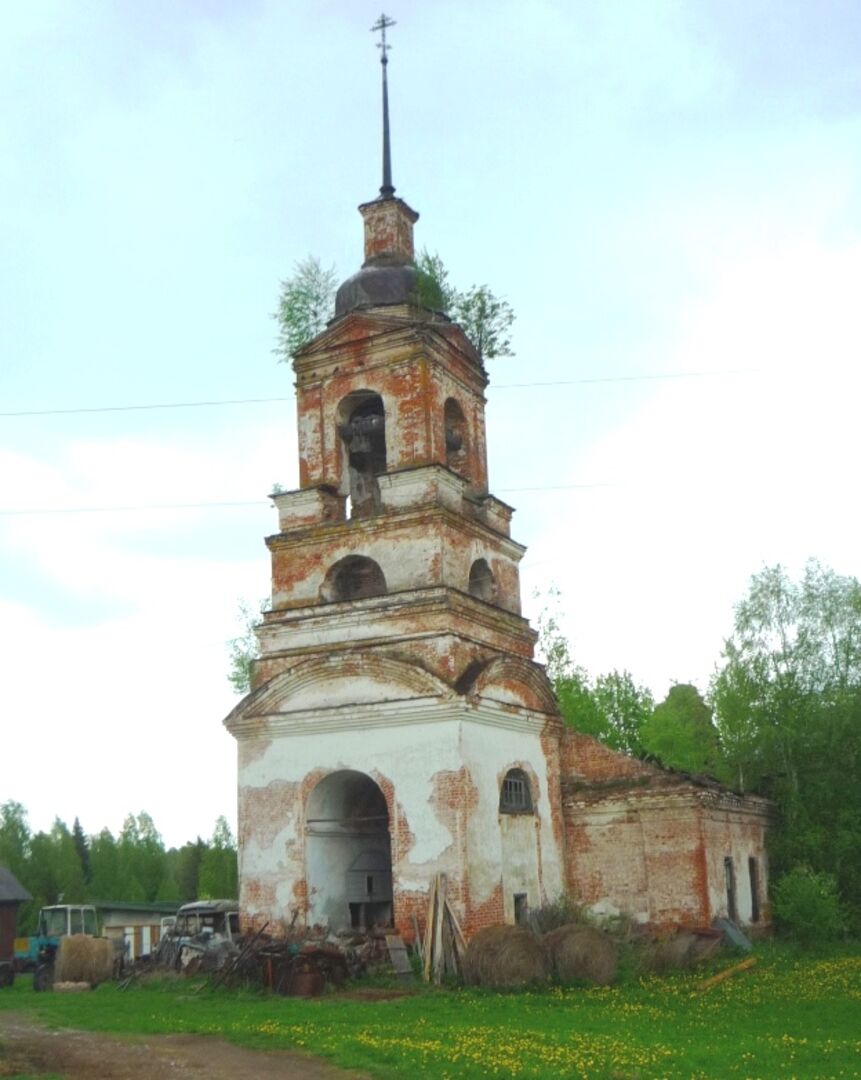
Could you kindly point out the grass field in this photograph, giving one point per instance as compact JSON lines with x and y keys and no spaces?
{"x":790,"y":1016}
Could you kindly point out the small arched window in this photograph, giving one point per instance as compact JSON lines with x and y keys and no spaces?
{"x":516,"y":794}
{"x":353,"y":578}
{"x":455,"y":436}
{"x":362,"y":427}
{"x":481,"y":581}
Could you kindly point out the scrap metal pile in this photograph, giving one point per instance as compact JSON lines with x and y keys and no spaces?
{"x":302,"y":963}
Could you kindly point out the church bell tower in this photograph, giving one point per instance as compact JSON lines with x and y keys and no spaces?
{"x":397,"y":726}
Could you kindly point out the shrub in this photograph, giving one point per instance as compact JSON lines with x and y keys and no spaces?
{"x":807,"y":907}
{"x":556,"y":913}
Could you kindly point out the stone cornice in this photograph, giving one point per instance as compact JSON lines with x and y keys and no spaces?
{"x":394,"y":520}
{"x":405,"y":714}
{"x":411,"y":603}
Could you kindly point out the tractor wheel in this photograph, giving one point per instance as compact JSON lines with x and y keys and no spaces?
{"x":43,"y":977}
{"x":7,"y":975}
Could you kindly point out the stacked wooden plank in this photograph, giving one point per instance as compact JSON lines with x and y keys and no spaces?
{"x":444,"y":945}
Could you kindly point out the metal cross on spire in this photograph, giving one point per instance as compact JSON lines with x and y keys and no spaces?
{"x":382,"y":24}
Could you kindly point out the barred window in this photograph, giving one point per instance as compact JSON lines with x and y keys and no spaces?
{"x":516,"y":796}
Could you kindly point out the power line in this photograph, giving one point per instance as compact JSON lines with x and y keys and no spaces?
{"x":268,"y":400}
{"x":140,"y":408}
{"x":628,"y":378}
{"x":126,"y":509}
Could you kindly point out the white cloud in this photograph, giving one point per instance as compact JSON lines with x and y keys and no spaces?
{"x":128,"y":705}
{"x":718,"y":476}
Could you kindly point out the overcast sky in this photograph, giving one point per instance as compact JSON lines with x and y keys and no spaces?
{"x":666,"y":192}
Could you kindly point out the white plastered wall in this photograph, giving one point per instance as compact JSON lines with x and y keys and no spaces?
{"x":519,"y":852}
{"x":407,"y":756}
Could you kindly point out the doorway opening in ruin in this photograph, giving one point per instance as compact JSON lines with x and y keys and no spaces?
{"x":731,"y":903}
{"x":362,"y":426}
{"x":348,"y":853}
{"x":753,"y":874}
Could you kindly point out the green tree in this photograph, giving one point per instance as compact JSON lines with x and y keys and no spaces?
{"x":244,"y":649}
{"x":807,"y":906}
{"x":307,"y":297}
{"x":54,"y":874}
{"x":106,"y":879}
{"x":71,"y":879}
{"x":680,"y":732}
{"x":82,"y":847}
{"x":14,"y":838}
{"x":219,"y":876}
{"x":787,"y":704}
{"x":485,"y":318}
{"x":305,"y":305}
{"x":433,"y":287}
{"x":612,"y":708}
{"x":623,"y":707}
{"x":185,"y":863}
{"x":142,"y":859}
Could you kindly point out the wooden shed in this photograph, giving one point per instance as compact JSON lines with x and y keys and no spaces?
{"x":139,"y":925}
{"x":12,"y":893}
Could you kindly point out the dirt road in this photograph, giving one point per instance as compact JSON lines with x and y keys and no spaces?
{"x":27,"y":1047}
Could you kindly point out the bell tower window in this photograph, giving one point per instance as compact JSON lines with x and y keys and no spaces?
{"x":363,"y":431}
{"x":481,"y":581}
{"x":455,"y":436}
{"x":354,"y":578}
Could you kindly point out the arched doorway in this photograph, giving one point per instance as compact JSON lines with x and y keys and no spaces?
{"x":348,"y":853}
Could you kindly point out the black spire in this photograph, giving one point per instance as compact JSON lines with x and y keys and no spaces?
{"x":382,"y":24}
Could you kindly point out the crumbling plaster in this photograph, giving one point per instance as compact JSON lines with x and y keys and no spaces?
{"x":415,"y":764}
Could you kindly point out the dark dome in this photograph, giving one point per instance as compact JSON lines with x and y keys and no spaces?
{"x":375,"y":286}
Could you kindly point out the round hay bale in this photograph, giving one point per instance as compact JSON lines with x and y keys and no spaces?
{"x":84,"y":959}
{"x":505,"y":958}
{"x":582,"y":952}
{"x":678,"y":952}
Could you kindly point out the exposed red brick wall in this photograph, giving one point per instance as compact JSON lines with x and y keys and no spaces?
{"x":388,"y":230}
{"x":491,"y":912}
{"x":583,"y":757}
{"x":263,"y":811}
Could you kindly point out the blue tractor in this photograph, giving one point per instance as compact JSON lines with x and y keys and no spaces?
{"x":38,"y":953}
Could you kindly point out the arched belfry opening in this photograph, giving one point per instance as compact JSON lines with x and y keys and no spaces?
{"x":348,"y":853}
{"x":355,"y":577}
{"x":482,"y":583}
{"x":362,"y":427}
{"x":455,"y":436}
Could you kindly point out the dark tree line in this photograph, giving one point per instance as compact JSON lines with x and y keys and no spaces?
{"x":781,"y":718}
{"x":66,"y":865}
